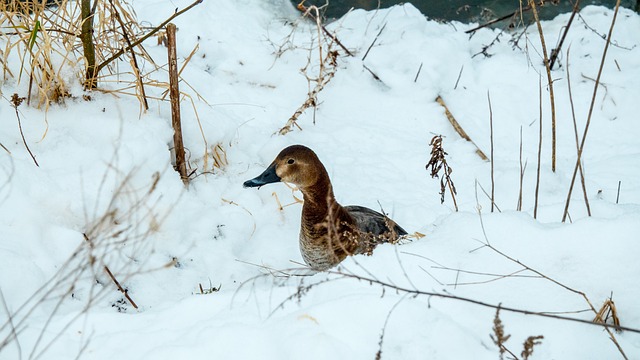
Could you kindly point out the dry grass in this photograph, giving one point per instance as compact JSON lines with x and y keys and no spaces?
{"x":608,"y":314}
{"x":533,"y":5}
{"x":41,"y":42}
{"x":46,"y":43}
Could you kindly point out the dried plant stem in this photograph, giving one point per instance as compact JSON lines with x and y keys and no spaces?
{"x":415,"y":79}
{"x":535,"y":206}
{"x":174,"y":95}
{"x":532,"y":3}
{"x":593,"y":101}
{"x":606,"y":312}
{"x":16,"y":101}
{"x":556,"y":51}
{"x":374,"y":41}
{"x":134,"y":60}
{"x":493,"y":183}
{"x":91,"y":82}
{"x":437,"y":162}
{"x":123,"y":291}
{"x":458,"y":128}
{"x":575,"y":130}
{"x":522,"y":170}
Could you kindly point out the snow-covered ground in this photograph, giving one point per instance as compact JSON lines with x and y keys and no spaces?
{"x":105,"y":171}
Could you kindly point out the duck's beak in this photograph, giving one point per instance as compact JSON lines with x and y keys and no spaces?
{"x":267,"y":177}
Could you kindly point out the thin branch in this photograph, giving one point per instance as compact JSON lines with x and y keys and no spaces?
{"x":550,"y":82}
{"x":133,"y":56}
{"x":418,"y":73}
{"x":505,"y":17}
{"x":522,"y":170}
{"x":16,"y":101}
{"x":374,"y":41}
{"x":145,"y":37}
{"x":493,"y":183}
{"x":575,"y":130}
{"x":556,"y":51}
{"x":593,"y":101}
{"x":475,"y":302}
{"x":535,"y":206}
{"x":5,"y":149}
{"x":125,"y":292}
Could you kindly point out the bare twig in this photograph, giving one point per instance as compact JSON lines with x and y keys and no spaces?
{"x":532,"y":3}
{"x":593,"y":101}
{"x":16,"y":101}
{"x":305,"y":11}
{"x":459,"y":76}
{"x":522,"y":170}
{"x":556,"y":51}
{"x":493,"y":184}
{"x":133,"y":56}
{"x":374,"y":41}
{"x":418,"y":73}
{"x":123,"y":291}
{"x":487,"y":195}
{"x":575,"y":131}
{"x":390,"y":285}
{"x":514,"y":14}
{"x":535,"y":206}
{"x":145,"y":37}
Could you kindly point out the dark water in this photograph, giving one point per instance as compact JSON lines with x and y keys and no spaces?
{"x":463,"y":10}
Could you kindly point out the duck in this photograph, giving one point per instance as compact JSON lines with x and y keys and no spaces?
{"x":329,"y":232}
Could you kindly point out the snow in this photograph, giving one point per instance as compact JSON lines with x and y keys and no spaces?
{"x":105,"y":159}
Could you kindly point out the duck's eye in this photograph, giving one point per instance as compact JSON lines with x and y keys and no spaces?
{"x":290,"y":161}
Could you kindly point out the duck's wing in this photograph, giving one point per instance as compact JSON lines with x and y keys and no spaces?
{"x":373,"y":222}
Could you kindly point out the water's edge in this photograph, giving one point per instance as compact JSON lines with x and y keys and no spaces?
{"x":461,"y":10}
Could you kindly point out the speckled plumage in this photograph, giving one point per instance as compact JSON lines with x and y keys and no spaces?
{"x":329,"y":232}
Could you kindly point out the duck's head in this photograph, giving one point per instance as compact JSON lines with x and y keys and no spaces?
{"x":295,"y":164}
